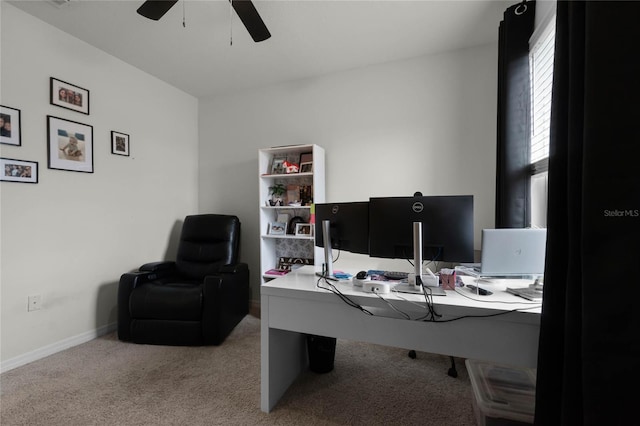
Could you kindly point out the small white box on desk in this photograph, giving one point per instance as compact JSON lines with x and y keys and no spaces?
{"x":379,"y":287}
{"x":427,"y":280}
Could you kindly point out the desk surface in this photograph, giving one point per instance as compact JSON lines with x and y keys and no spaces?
{"x":303,"y":282}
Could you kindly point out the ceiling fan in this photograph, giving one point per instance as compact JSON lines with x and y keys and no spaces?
{"x":155,"y":9}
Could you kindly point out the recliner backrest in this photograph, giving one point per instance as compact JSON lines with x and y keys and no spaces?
{"x":207,"y":242}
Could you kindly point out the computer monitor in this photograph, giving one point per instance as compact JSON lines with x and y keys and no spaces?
{"x":349,"y":226}
{"x":447,"y":227}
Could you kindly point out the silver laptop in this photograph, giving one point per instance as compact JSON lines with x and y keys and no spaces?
{"x":513,"y":251}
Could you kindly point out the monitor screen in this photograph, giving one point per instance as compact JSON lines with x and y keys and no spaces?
{"x":447,"y":227}
{"x":349,"y":225}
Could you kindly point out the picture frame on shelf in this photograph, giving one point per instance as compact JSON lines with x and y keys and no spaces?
{"x":306,"y":167}
{"x":18,"y":170}
{"x":289,"y":263}
{"x":306,"y":157}
{"x":304,"y":230}
{"x":70,"y":145}
{"x":10,"y":127}
{"x":277,"y":165}
{"x":306,"y":195}
{"x":277,"y":228}
{"x":119,"y":143}
{"x":69,"y":96}
{"x":293,"y":194}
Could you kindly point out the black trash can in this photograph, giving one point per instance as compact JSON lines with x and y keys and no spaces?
{"x":322,"y":352}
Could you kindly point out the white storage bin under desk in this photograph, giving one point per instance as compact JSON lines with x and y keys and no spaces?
{"x":502,"y":395}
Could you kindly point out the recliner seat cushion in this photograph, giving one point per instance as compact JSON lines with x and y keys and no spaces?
{"x":175,"y":301}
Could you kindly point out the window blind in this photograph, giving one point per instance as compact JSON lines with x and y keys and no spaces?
{"x":541,"y":68}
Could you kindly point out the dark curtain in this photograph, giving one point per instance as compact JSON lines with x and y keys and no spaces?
{"x":513,"y":134}
{"x":589,"y":352}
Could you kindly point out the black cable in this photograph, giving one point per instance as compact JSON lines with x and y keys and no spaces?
{"x":342,"y":296}
{"x":485,"y":316}
{"x":404,"y":314}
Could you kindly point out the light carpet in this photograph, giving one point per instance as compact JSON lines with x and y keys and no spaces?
{"x":108,"y":382}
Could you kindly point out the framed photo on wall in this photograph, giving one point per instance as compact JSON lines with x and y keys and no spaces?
{"x":70,"y":96}
{"x":70,"y":145}
{"x":18,"y":170}
{"x":10,"y":132}
{"x":119,"y":143}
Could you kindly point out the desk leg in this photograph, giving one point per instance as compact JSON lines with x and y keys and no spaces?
{"x":283,"y":358}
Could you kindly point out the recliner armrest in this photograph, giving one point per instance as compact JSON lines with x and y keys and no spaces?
{"x":233,"y":269}
{"x":161,"y":266}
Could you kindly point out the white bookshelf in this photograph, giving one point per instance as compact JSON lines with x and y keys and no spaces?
{"x":273,"y":247}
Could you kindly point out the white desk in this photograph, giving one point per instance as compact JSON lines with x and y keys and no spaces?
{"x":292,"y":306}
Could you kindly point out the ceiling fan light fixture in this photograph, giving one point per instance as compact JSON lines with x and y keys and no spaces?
{"x":246,"y":11}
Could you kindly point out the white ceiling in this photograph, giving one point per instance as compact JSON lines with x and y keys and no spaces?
{"x":309,"y":37}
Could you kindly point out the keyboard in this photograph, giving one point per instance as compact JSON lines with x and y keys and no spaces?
{"x":395,"y":275}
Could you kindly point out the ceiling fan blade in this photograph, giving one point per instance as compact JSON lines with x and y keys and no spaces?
{"x":251,"y":19}
{"x":155,"y":9}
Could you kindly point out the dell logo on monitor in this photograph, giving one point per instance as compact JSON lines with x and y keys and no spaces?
{"x":335,"y":209}
{"x":417,"y":207}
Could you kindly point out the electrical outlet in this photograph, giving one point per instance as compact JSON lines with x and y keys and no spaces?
{"x":35,"y":303}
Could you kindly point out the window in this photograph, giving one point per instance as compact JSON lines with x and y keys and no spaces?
{"x":541,"y":52}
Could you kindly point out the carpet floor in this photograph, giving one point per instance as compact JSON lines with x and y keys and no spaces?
{"x":108,"y":382}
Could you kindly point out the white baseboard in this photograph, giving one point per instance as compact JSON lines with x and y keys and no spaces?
{"x":56,"y":347}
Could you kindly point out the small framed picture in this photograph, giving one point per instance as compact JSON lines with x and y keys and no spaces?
{"x":306,"y":157}
{"x":19,"y":170}
{"x":10,"y":133}
{"x":277,"y":165}
{"x":306,"y":167}
{"x":304,"y":230}
{"x":119,"y":143}
{"x":277,"y":228}
{"x":70,"y":145}
{"x":290,"y":263}
{"x":70,"y":96}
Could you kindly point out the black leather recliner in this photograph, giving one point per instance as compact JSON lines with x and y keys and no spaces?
{"x":196,"y":300}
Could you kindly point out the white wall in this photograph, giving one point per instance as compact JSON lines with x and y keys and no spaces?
{"x":70,"y":237}
{"x":425,"y":124}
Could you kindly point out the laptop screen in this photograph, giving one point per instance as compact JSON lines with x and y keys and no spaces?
{"x":513,"y":251}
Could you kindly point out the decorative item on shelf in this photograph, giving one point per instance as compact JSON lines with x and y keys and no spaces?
{"x":291,"y":263}
{"x":293,"y":195}
{"x":290,"y":167}
{"x":304,"y":230}
{"x":306,"y":162}
{"x":277,"y":272}
{"x":306,"y":195}
{"x":291,"y":229}
{"x":277,"y":228}
{"x":277,"y":191}
{"x":306,"y":167}
{"x":277,"y":165}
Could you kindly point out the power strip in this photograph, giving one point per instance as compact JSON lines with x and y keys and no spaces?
{"x":378,"y":287}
